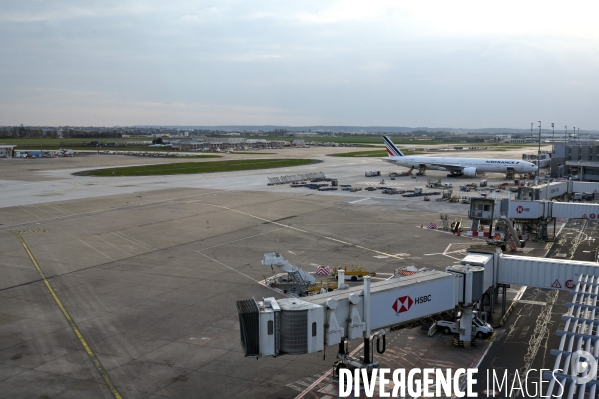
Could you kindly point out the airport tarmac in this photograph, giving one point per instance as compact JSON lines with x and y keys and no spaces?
{"x":129,"y":285}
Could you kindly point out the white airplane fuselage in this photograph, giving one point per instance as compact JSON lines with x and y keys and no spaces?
{"x":468,"y":167}
{"x":481,"y":164}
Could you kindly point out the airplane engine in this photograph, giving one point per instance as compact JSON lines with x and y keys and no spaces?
{"x":469,"y":172}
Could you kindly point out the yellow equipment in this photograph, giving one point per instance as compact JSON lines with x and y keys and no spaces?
{"x":354,"y":272}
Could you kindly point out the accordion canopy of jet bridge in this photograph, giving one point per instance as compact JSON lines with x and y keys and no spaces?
{"x":575,"y":371}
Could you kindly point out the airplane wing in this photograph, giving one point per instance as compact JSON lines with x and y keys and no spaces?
{"x":449,"y":166}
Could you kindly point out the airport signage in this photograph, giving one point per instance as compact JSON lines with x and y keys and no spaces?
{"x":524,"y":210}
{"x":415,"y":300}
{"x":404,"y":303}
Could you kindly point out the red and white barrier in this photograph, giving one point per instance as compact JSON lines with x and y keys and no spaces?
{"x":477,"y":233}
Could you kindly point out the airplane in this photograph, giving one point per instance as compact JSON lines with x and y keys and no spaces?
{"x":467,"y":167}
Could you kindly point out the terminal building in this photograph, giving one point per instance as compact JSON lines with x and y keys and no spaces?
{"x":577,"y":158}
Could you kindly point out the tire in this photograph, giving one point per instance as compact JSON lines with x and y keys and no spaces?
{"x":339,"y":367}
{"x":354,"y":278}
{"x":446,"y":331}
{"x":479,"y":335}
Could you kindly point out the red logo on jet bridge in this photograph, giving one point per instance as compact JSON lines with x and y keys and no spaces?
{"x":519,"y":209}
{"x":402,"y":304}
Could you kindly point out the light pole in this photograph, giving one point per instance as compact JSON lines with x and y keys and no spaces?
{"x":553,"y":140}
{"x":539,"y":157}
{"x":531,"y":123}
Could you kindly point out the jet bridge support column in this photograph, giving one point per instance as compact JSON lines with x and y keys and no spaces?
{"x":466,"y":326}
{"x":503,"y":299}
{"x":367,"y":319}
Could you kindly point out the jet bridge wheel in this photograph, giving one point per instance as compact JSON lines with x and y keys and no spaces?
{"x":338,"y":365}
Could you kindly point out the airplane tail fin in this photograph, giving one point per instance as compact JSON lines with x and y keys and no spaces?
{"x":392,"y":149}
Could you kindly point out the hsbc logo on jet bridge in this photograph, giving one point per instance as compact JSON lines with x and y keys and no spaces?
{"x":404,"y":303}
{"x":520,"y":209}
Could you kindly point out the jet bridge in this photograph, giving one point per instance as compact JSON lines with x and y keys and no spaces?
{"x":274,"y":327}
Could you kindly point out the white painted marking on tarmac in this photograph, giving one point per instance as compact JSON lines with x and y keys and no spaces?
{"x":122,"y":236}
{"x":111,"y":244}
{"x":541,"y":331}
{"x":228,"y":267}
{"x":520,"y":293}
{"x":106,"y":211}
{"x":325,"y":375}
{"x":31,"y":213}
{"x":58,"y":209}
{"x":95,"y":249}
{"x":532,"y":302}
{"x":480,"y":360}
{"x":241,"y":239}
{"x":43,"y":210}
{"x":360,"y":200}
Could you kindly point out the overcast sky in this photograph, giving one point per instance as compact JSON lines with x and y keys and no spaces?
{"x":385,"y":63}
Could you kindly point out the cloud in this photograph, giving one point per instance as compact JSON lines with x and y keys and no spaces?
{"x":345,"y":62}
{"x":67,"y":10}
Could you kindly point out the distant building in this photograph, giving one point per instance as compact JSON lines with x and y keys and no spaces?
{"x":580,"y":158}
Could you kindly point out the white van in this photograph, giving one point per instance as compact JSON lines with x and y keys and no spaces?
{"x":479,"y":328}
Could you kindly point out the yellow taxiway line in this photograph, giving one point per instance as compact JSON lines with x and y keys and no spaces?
{"x":92,"y":355}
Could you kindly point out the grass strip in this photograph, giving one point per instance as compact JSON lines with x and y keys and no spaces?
{"x":196,"y":167}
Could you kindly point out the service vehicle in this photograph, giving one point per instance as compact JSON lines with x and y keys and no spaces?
{"x":353,"y":272}
{"x":479,"y":327}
